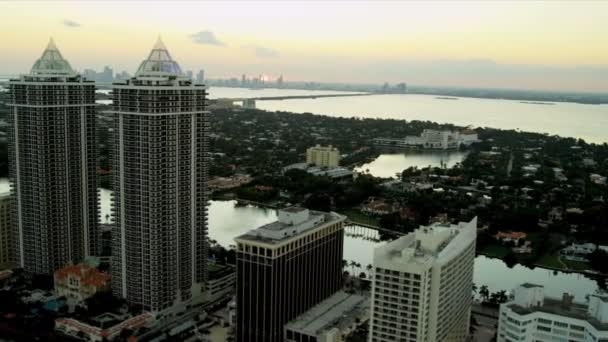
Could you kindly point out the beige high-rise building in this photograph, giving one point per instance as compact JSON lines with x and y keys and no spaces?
{"x":422,"y":287}
{"x":6,"y":232}
{"x":324,"y":156}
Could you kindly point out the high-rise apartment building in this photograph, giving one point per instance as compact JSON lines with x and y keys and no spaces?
{"x":160,"y":160}
{"x":422,"y":285}
{"x":6,"y":230}
{"x":324,"y":156}
{"x":531,"y":316}
{"x":200,"y":77}
{"x":53,"y":156}
{"x":285,"y":268}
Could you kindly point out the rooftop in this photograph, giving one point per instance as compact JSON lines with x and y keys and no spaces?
{"x":292,"y":222}
{"x":52,"y":63}
{"x":557,"y":307}
{"x":88,"y":275}
{"x":436,"y":241}
{"x":159,"y":63}
{"x":340,"y":310}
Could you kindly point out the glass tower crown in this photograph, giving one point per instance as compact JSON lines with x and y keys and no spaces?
{"x":52,"y":63}
{"x":159,"y":63}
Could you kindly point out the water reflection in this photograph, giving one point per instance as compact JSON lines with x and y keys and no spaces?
{"x":228,"y":220}
{"x":389,"y":164}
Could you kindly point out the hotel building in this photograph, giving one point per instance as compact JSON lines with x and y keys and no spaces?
{"x":422,"y":285}
{"x":285,"y":268}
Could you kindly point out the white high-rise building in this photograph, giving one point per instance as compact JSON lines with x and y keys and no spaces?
{"x":159,"y":251}
{"x":53,"y":165}
{"x":422,"y":286}
{"x":531,"y":316}
{"x":324,"y":156}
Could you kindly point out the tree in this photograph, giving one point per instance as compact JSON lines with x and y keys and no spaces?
{"x":484,"y":292}
{"x":510,"y":260}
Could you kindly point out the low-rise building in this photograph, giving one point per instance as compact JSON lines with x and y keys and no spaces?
{"x":597,"y":179}
{"x":223,"y":183}
{"x":329,"y":321}
{"x":331,"y":172}
{"x":93,"y":333}
{"x":510,"y":236}
{"x":578,"y":251}
{"x":531,"y":316}
{"x":79,"y":282}
{"x":220,"y":282}
{"x":432,"y":139}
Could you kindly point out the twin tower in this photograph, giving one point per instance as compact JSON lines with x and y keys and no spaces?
{"x":159,"y":176}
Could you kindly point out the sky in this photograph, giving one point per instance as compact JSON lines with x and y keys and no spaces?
{"x":552,"y":45}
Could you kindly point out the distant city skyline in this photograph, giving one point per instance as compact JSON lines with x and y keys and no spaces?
{"x":523,"y":45}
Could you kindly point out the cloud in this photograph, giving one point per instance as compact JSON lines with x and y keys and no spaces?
{"x":263,"y":52}
{"x":70,"y":23}
{"x":206,"y":38}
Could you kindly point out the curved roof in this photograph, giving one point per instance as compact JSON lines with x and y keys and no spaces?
{"x":159,"y":63}
{"x":51,"y":62}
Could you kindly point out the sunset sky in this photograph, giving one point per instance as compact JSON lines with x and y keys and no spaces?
{"x":550,"y":45}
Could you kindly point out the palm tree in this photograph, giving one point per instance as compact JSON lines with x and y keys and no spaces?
{"x":344,"y":263}
{"x":484,"y":292}
{"x":352,"y":264}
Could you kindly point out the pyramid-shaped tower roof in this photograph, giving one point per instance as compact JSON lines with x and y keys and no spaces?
{"x":51,"y":62}
{"x":159,"y":63}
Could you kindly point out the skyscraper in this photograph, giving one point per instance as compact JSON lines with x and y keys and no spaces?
{"x":53,"y":155}
{"x":422,"y":286}
{"x":200,"y":78}
{"x":284,"y":268}
{"x":160,"y":178}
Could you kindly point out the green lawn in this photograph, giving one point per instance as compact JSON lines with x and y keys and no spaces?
{"x":577,"y":265}
{"x":495,"y":251}
{"x":549,"y":260}
{"x":357,"y":216}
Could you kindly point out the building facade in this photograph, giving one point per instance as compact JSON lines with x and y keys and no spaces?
{"x":432,"y":139}
{"x":160,"y":157}
{"x":531,"y":316}
{"x":53,"y":156}
{"x":6,"y":230}
{"x":79,"y":282}
{"x":323,"y":156}
{"x":421,"y":289}
{"x":284,"y":268}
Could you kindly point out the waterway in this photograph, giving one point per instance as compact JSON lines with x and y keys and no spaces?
{"x":567,"y":119}
{"x":228,"y":220}
{"x":390,"y":164}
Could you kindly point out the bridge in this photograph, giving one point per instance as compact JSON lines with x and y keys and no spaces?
{"x":249,"y":102}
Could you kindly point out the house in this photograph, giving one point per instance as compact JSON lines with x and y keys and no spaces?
{"x":510,"y":236}
{"x":555,"y":215}
{"x":578,"y":251}
{"x":597,"y":179}
{"x":378,"y":206}
{"x":80,"y":282}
